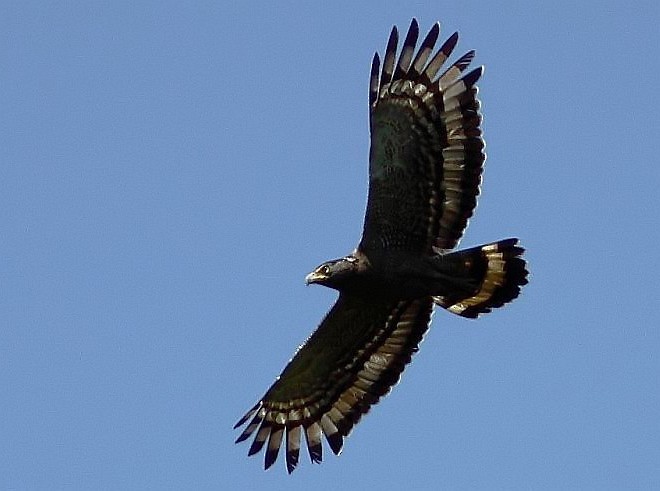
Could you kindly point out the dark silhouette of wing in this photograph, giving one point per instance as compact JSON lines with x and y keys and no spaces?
{"x":354,"y":357}
{"x":426,"y":154}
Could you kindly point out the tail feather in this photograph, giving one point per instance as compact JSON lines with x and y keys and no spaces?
{"x":490,"y":275}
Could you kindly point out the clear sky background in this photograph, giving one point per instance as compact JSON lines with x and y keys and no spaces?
{"x":170,"y":172}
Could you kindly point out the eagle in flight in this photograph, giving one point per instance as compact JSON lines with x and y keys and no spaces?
{"x":425,"y":165}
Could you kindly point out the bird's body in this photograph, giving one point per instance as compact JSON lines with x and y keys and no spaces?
{"x":398,"y":275}
{"x":425,"y":168}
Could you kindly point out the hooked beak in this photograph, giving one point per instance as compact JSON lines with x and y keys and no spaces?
{"x":313,"y":277}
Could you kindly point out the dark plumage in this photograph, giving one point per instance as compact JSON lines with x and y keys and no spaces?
{"x":425,"y":167}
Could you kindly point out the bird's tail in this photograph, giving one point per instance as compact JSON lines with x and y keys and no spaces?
{"x":487,"y":277}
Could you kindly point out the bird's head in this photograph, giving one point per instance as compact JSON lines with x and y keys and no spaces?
{"x":333,"y":273}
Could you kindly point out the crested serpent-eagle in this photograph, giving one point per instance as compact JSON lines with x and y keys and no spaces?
{"x":425,"y":165}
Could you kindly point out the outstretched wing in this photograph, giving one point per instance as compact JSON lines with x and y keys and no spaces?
{"x":355,"y":356}
{"x":427,"y":152}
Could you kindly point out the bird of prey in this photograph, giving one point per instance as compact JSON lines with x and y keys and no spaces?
{"x":425,"y":166}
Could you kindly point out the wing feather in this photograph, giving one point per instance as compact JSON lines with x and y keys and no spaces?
{"x":440,"y":57}
{"x":390,"y":57}
{"x":425,"y":50}
{"x":373,"y":81}
{"x":292,"y":448}
{"x":273,"y":448}
{"x":354,"y":358}
{"x":454,"y":71}
{"x":407,"y":51}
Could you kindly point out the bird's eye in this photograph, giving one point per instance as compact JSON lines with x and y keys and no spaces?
{"x":325,"y":270}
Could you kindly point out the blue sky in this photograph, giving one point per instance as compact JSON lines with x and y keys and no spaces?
{"x":170,"y":172}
